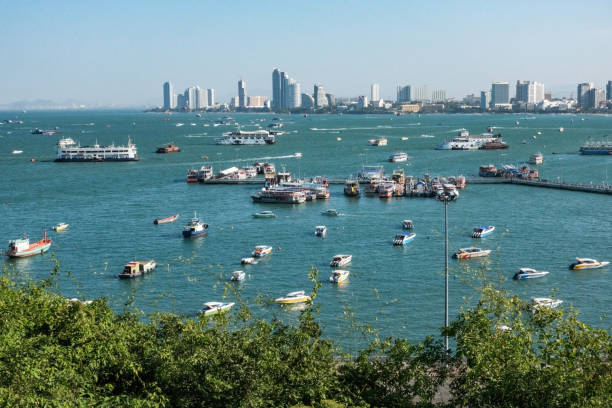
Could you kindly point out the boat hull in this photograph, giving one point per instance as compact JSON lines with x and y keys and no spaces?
{"x":579,"y":266}
{"x":96,"y":160}
{"x":523,"y":276}
{"x":192,"y":234}
{"x":166,"y":220}
{"x":34,"y":249}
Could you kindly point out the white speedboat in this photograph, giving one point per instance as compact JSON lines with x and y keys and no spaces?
{"x":538,"y":302}
{"x":320,"y":231}
{"x":587,"y":263}
{"x":60,"y":227}
{"x":482,"y":231}
{"x":340,"y":260}
{"x":330,"y":212}
{"x":398,"y":157}
{"x":215,"y":307}
{"x":528,"y":273}
{"x":472,"y":252}
{"x":261,"y":251}
{"x":248,"y":261}
{"x":238,"y":276}
{"x":407,"y":224}
{"x":293,"y":297}
{"x":339,"y":276}
{"x":17,"y":151}
{"x":403,"y":239}
{"x":265,"y":214}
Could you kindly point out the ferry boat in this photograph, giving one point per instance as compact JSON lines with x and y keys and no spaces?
{"x":169,"y":148}
{"x":279,"y":195}
{"x":494,"y":144}
{"x":340,"y":260}
{"x":368,"y":173}
{"x":603,"y":147}
{"x":482,"y":231}
{"x":536,"y":158}
{"x":137,"y":268}
{"x":403,"y":239}
{"x":351,"y":188}
{"x":205,"y":173}
{"x":293,"y":297}
{"x":472,"y":252}
{"x":587,"y":263}
{"x":21,"y":248}
{"x":378,"y":142}
{"x":195,"y":228}
{"x":166,"y":220}
{"x":238,"y":276}
{"x":244,"y":137}
{"x":264,"y":214}
{"x":261,"y":251}
{"x":407,"y":224}
{"x":60,"y":227}
{"x":320,"y":231}
{"x":465,"y":141}
{"x":398,"y":157}
{"x":69,"y":151}
{"x":386,"y":190}
{"x":528,"y":273}
{"x":372,"y":187}
{"x":211,"y":308}
{"x":538,"y":302}
{"x":339,"y":276}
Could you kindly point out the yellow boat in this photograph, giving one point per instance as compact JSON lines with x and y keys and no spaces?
{"x":294,"y":297}
{"x":587,"y":263}
{"x":339,"y":276}
{"x":60,"y":227}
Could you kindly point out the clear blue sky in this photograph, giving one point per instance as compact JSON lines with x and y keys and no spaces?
{"x":120,"y":52}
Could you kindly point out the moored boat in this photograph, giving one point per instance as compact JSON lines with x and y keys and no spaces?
{"x":238,"y":276}
{"x":195,"y":228}
{"x":320,"y":231}
{"x":192,"y":176}
{"x":293,"y":297}
{"x":407,"y":224}
{"x":488,"y":171}
{"x":339,"y":276}
{"x":60,"y":227}
{"x":169,"y":148}
{"x":264,"y":214}
{"x":536,"y":158}
{"x":378,"y":142}
{"x":398,"y":157}
{"x":248,"y":261}
{"x":538,"y":302}
{"x":587,"y":263}
{"x":482,"y":231}
{"x":471,"y":252}
{"x":261,"y":251}
{"x":528,"y":273}
{"x":215,"y":307}
{"x":137,"y":268}
{"x":403,"y":239}
{"x":351,"y":187}
{"x":166,"y":220}
{"x":340,"y":260}
{"x":368,"y":173}
{"x":331,"y":212}
{"x":21,"y":248}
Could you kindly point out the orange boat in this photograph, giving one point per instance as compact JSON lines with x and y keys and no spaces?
{"x":165,"y":220}
{"x":169,"y":148}
{"x":21,"y":248}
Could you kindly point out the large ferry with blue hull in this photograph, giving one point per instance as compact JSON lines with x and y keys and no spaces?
{"x":603,"y":147}
{"x":70,"y":151}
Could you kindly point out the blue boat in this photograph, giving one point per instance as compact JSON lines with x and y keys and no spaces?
{"x":482,"y":231}
{"x":403,"y":239}
{"x":195,"y":228}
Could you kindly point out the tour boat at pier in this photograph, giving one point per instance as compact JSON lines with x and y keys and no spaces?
{"x":536,"y":158}
{"x":340,"y":260}
{"x":69,"y":151}
{"x":398,"y":157}
{"x":166,"y":220}
{"x":192,"y":176}
{"x":339,"y":276}
{"x":21,"y":248}
{"x":238,"y":276}
{"x":279,"y":195}
{"x":244,"y":137}
{"x":293,"y":297}
{"x":211,"y":308}
{"x":320,"y":231}
{"x":407,"y":224}
{"x":482,"y":231}
{"x":386,"y":190}
{"x":261,"y":251}
{"x":368,"y":173}
{"x":537,"y":302}
{"x":472,"y":252}
{"x":169,"y":148}
{"x":264,"y":214}
{"x":137,"y":268}
{"x":351,"y":188}
{"x":195,"y":228}
{"x":403,"y":239}
{"x":587,"y":263}
{"x":60,"y":227}
{"x":528,"y":273}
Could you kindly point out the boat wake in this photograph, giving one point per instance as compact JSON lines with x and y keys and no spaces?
{"x":427,"y":136}
{"x":363,"y":128}
{"x":199,"y":135}
{"x":256,"y":159}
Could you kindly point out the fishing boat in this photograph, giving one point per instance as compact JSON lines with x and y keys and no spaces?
{"x":482,"y":231}
{"x":587,"y":263}
{"x":264,"y":214}
{"x":60,"y":227}
{"x":407,"y":224}
{"x":137,"y":268}
{"x":331,"y":212}
{"x":339,"y":276}
{"x":471,"y":252}
{"x":166,"y":220}
{"x":261,"y":251}
{"x":320,"y":231}
{"x":351,"y":187}
{"x":528,"y":273}
{"x":398,"y":157}
{"x":195,"y":228}
{"x":536,"y":158}
{"x":538,"y":302}
{"x":211,"y":308}
{"x":169,"y":148}
{"x":238,"y":276}
{"x":248,"y":261}
{"x":293,"y":297}
{"x":21,"y":248}
{"x":403,"y":239}
{"x":340,"y":260}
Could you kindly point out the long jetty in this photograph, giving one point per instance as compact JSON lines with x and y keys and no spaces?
{"x":586,"y":188}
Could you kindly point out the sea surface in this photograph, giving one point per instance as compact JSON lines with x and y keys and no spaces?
{"x":397,"y":291}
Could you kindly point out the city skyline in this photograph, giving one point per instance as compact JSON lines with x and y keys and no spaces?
{"x":117,"y":55}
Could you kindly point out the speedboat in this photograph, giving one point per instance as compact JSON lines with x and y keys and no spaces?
{"x":378,"y":142}
{"x":320,"y":231}
{"x":404,"y":238}
{"x":166,"y":220}
{"x":261,"y":251}
{"x":265,"y":214}
{"x":472,"y":252}
{"x":238,"y":276}
{"x":215,"y":307}
{"x":538,"y":302}
{"x":195,"y":228}
{"x":398,"y":157}
{"x":528,"y":273}
{"x":60,"y":227}
{"x":17,"y":151}
{"x":482,"y":231}
{"x":137,"y":268}
{"x":407,"y":224}
{"x":587,"y":263}
{"x":248,"y":261}
{"x":340,"y":260}
{"x":330,"y":212}
{"x":293,"y":297}
{"x":339,"y":276}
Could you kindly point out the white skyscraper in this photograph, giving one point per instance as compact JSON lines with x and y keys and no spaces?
{"x":319,"y":96}
{"x":375,"y":92}
{"x":190,"y":98}
{"x":421,"y":94}
{"x":438,"y":95}
{"x":201,"y":98}
{"x":211,"y":97}
{"x":362,"y":102}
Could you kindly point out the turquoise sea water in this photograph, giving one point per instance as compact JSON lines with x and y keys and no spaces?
{"x":111,"y":206}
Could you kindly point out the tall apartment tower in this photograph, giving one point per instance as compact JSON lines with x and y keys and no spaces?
{"x":609,"y":91}
{"x":375,"y":92}
{"x":403,"y":93}
{"x":242,"y":94}
{"x":276,"y":89}
{"x":211,"y":97}
{"x":201,"y":98}
{"x":190,"y":98}
{"x":485,"y":100}
{"x":320,"y":100}
{"x":169,"y":102}
{"x":582,"y":92}
{"x":500,"y":93}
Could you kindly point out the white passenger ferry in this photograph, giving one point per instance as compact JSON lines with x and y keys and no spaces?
{"x":465,"y":141}
{"x":69,"y":151}
{"x":243,"y":137}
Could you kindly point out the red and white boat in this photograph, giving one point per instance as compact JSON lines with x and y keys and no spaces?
{"x":165,"y":220}
{"x":21,"y":248}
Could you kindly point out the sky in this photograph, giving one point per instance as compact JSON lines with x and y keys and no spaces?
{"x":119,"y":53}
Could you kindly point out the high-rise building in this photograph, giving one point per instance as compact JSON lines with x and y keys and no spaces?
{"x":169,"y":96}
{"x":320,"y":100}
{"x":375,"y":92}
{"x":362,"y":102}
{"x":420,"y":94}
{"x":308,"y":102}
{"x":438,"y":95}
{"x":211,"y":97}
{"x":594,"y":97}
{"x":403,"y":93}
{"x":485,"y":100}
{"x":539,"y":94}
{"x":609,"y":91}
{"x":500,"y":93}
{"x":190,"y":98}
{"x":201,"y":98}
{"x":256,"y":101}
{"x":284,"y":98}
{"x":331,"y":100}
{"x":276,"y":89}
{"x":529,"y":92}
{"x":581,"y":95}
{"x":180,"y":101}
{"x":234,"y":102}
{"x":291,"y":96}
{"x":242,"y":94}
{"x":522,"y":91}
